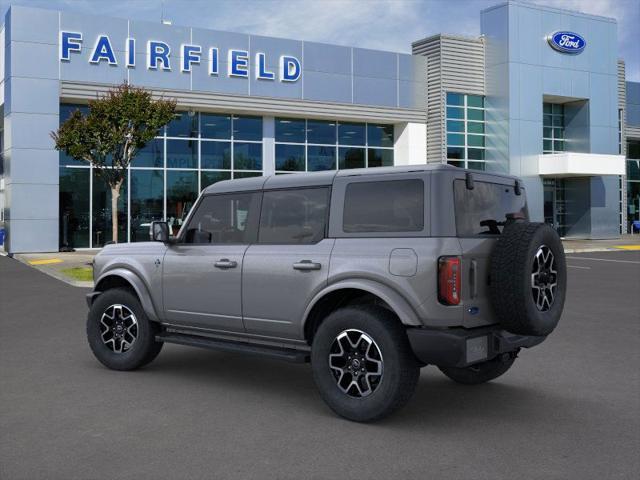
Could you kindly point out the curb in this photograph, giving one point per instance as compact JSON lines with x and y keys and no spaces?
{"x":591,"y":250}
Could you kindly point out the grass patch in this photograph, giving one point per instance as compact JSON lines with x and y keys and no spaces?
{"x":80,"y":274}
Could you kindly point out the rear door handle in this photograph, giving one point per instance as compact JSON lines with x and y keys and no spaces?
{"x":225,"y":263}
{"x":306,"y":265}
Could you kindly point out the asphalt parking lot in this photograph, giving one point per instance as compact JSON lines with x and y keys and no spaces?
{"x":569,"y":408}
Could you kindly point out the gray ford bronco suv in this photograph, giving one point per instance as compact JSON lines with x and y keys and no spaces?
{"x":368,"y":274}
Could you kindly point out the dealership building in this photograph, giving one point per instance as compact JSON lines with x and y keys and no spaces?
{"x":541,"y":94}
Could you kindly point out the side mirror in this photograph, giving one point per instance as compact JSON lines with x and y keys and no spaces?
{"x":160,"y":232}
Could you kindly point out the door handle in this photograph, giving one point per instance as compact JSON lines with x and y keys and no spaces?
{"x":306,"y":265}
{"x":225,"y":263}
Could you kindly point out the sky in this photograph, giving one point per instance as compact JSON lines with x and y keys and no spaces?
{"x":378,"y":24}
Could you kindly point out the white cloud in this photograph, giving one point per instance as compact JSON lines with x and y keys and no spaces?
{"x":379,"y":24}
{"x":364,"y":23}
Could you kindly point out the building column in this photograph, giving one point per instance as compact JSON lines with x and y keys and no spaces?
{"x":410,"y":146}
{"x":31,"y":113}
{"x":268,"y":146}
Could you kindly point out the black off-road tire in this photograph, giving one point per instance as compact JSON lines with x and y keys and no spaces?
{"x":142,"y":351}
{"x":513,"y":261}
{"x":400,"y":369}
{"x":480,"y":372}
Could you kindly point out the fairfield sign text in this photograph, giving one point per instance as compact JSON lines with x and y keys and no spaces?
{"x":159,"y":57}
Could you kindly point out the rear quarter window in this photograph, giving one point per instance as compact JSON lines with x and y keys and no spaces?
{"x":483,"y":210}
{"x":384,"y":206}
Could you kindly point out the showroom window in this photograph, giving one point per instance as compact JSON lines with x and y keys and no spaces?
{"x":194,"y":151}
{"x":101,"y":231}
{"x":74,"y":207}
{"x":552,"y":128}
{"x":465,"y":130}
{"x":307,"y":145}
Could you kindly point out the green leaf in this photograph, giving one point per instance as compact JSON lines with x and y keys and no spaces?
{"x":117,"y":126}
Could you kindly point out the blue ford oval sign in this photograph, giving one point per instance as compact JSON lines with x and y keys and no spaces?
{"x":567,"y":42}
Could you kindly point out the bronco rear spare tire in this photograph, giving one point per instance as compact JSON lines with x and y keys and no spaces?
{"x":528,"y":278}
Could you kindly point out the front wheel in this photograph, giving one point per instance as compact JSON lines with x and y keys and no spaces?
{"x":119,"y":333}
{"x":480,"y":372}
{"x":362,"y":363}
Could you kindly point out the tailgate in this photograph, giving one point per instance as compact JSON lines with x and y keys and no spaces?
{"x":476,"y":253}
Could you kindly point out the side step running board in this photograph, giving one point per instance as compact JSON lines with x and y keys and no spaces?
{"x":287,"y":354}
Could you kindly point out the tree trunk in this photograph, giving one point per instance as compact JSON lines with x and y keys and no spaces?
{"x":115,"y":194}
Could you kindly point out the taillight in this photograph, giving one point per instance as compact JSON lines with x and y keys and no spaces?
{"x":449,"y":280}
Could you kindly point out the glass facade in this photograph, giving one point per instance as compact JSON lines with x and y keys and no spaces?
{"x":552,"y":128}
{"x":305,"y":145}
{"x":465,"y":130}
{"x":633,"y":182}
{"x":556,"y":206}
{"x":101,"y":231}
{"x":194,"y":151}
{"x":74,"y":206}
{"x":163,"y":182}
{"x":146,"y":201}
{"x":553,"y":138}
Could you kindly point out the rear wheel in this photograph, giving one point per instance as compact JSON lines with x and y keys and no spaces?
{"x":362,"y":363}
{"x":119,"y":333}
{"x":481,"y":372}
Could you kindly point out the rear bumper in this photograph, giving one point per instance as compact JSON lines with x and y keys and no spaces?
{"x":461,"y":347}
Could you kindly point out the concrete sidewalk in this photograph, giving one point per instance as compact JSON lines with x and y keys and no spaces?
{"x":59,"y":264}
{"x":626,"y":242}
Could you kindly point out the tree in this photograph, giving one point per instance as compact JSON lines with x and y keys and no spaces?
{"x":117,"y":126}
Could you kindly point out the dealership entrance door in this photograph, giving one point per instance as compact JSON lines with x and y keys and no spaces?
{"x":582,"y":206}
{"x":555,"y":205}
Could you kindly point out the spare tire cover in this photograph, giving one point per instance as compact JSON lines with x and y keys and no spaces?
{"x":528,"y":278}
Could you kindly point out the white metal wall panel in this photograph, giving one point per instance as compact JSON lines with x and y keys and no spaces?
{"x":74,"y":91}
{"x":454,"y":64}
{"x":430,"y":48}
{"x":622,"y":86}
{"x":463,"y":65}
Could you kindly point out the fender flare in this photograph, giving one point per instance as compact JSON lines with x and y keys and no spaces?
{"x":397,"y":302}
{"x":138,"y":285}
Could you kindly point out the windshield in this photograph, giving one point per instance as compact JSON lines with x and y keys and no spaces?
{"x":484,"y":210}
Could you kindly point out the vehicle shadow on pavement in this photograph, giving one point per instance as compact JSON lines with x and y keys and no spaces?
{"x":242,"y":373}
{"x":438,"y":402}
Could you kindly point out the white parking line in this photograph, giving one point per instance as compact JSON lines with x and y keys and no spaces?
{"x":576,"y":266}
{"x":604,"y":260}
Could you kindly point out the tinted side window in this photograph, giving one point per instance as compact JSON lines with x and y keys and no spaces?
{"x":220,"y":219}
{"x":384,"y":206}
{"x":294,"y":216}
{"x":483,"y":210}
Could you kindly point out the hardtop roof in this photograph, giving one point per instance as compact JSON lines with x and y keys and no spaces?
{"x":311,"y":179}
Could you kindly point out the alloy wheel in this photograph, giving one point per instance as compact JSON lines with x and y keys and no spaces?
{"x":356,"y":363}
{"x":118,"y":328}
{"x":544,"y":278}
